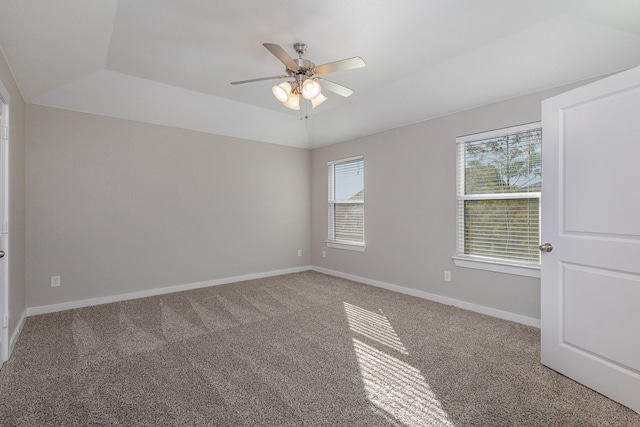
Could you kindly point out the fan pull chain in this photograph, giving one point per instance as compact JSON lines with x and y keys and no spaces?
{"x":306,"y":110}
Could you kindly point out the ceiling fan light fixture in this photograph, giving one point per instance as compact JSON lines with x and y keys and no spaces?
{"x":304,"y":82}
{"x":293,"y":102}
{"x":318,"y":100}
{"x":310,"y":89}
{"x":282,"y":91}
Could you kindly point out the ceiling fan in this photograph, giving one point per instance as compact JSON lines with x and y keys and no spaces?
{"x":305,"y":77}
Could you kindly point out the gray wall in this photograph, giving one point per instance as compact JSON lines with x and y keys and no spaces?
{"x":115,"y":206}
{"x":410,"y":208}
{"x":16,"y":197}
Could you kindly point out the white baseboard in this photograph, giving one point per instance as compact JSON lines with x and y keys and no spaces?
{"x":16,"y":332}
{"x":530,"y":321}
{"x":33,"y":311}
{"x":43,"y":309}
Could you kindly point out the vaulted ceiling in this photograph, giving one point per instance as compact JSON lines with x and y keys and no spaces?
{"x":171,"y":62}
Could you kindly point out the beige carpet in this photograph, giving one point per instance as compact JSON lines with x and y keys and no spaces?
{"x":301,"y":349}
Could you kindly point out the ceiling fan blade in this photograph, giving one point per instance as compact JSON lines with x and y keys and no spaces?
{"x":335,"y":87}
{"x":342,"y":65}
{"x":258,"y":80}
{"x":283,"y":56}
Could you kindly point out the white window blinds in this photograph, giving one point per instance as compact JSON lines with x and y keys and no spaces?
{"x":346,"y":201}
{"x":498,"y":190}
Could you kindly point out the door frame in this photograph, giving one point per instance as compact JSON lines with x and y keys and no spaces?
{"x":4,"y":224}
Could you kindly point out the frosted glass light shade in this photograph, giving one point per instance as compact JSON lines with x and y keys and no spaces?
{"x":282,"y":91}
{"x":318,"y":100}
{"x":310,"y":89}
{"x":293,"y":102}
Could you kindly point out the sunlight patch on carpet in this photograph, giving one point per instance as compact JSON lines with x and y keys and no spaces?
{"x":398,"y":388}
{"x":373,"y":326}
{"x":391,"y":384}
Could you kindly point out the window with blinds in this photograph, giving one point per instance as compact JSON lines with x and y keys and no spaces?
{"x":498,"y":190}
{"x":346,"y":201}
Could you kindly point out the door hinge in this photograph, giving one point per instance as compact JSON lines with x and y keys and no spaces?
{"x":5,"y":227}
{"x":5,"y":321}
{"x":5,"y":132}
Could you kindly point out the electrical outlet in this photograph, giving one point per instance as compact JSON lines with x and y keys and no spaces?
{"x":299,"y":252}
{"x":55,"y":281}
{"x":324,"y":254}
{"x":447,"y":276}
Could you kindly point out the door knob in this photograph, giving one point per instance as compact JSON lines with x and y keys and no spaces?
{"x":546,"y":247}
{"x":1,"y":254}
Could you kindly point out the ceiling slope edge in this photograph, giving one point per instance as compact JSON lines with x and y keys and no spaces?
{"x":49,"y":45}
{"x":113,"y":94}
{"x":446,"y":88}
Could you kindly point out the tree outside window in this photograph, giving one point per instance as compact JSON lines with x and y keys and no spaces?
{"x":499,"y":185}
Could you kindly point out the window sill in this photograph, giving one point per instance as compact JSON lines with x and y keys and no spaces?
{"x":497,"y":266}
{"x":346,"y":246}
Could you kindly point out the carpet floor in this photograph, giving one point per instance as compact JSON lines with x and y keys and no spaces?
{"x":302,"y":349}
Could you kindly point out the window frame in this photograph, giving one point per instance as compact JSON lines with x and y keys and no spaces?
{"x":333,"y":243}
{"x":495,"y":264}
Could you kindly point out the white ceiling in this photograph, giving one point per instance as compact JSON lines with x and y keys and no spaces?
{"x":171,"y":61}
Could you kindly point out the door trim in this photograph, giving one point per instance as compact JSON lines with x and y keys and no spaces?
{"x":4,"y":224}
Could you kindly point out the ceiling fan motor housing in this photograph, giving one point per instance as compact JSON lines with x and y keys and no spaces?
{"x":304,"y":65}
{"x":305,"y":70}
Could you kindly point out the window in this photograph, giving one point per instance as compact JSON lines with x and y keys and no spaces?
{"x":346,"y":204}
{"x":498,"y":189}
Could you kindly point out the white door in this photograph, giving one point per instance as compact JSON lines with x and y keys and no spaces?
{"x":590,"y":289}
